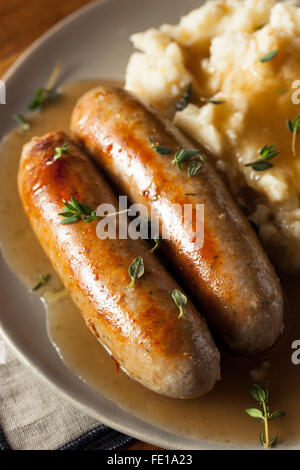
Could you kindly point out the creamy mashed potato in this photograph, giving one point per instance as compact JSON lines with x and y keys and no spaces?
{"x":218,"y":48}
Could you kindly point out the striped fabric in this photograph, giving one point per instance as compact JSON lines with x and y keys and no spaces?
{"x":100,"y":438}
{"x":33,"y":417}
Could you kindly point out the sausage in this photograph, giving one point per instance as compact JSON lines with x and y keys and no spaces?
{"x":139,"y":326}
{"x":229,"y":276}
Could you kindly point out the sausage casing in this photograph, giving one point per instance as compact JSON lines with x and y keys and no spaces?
{"x":140,"y":325}
{"x":230,"y":276}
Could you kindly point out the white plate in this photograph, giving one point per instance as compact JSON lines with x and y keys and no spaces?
{"x":92,"y":43}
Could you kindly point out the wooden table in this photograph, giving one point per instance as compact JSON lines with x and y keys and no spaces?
{"x":23,"y":21}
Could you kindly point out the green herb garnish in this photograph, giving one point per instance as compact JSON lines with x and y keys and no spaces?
{"x":41,"y":98}
{"x":186,"y":99}
{"x":136,"y":270}
{"x":281,"y":91}
{"x":159,"y":148}
{"x":21,"y":120}
{"x":156,"y":246}
{"x":294,"y":127}
{"x":148,"y":224}
{"x":180,"y":300}
{"x":43,"y":280}
{"x":251,"y":222}
{"x":211,"y":100}
{"x":261,"y":395}
{"x":75,"y":211}
{"x":183,"y":156}
{"x":196,"y":166}
{"x":266,"y":154}
{"x":245,"y":210}
{"x":268,"y":57}
{"x":47,"y":95}
{"x":60,"y":151}
{"x":261,"y":165}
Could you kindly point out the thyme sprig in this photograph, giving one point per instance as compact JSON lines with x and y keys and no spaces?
{"x":43,"y":280}
{"x":74,"y":211}
{"x":260,"y":26}
{"x":156,"y":246}
{"x":252,"y":223}
{"x":180,"y":300}
{"x":267,"y":153}
{"x":60,"y":151}
{"x":261,"y":395}
{"x":136,"y":270}
{"x":196,"y":166}
{"x":147,"y":226}
{"x":25,"y":125}
{"x":48,"y":94}
{"x":211,"y":100}
{"x":187,"y":96}
{"x":182,"y":156}
{"x":294,"y":127}
{"x":159,"y":148}
{"x":269,"y":56}
{"x":186,"y":99}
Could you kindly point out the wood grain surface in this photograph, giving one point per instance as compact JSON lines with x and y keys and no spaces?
{"x":23,"y":21}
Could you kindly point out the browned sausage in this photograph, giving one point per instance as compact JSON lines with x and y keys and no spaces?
{"x":231,"y":275}
{"x":140,"y":325}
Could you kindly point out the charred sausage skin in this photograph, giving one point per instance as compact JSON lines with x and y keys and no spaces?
{"x":230,"y":276}
{"x":139,"y":326}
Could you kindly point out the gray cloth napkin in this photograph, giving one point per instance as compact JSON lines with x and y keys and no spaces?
{"x":33,"y":417}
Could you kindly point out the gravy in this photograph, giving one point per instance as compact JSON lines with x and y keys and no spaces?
{"x":218,"y":416}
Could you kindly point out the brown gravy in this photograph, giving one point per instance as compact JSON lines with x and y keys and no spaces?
{"x":216,"y":417}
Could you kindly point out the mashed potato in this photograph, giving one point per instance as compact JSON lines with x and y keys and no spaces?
{"x":218,"y":48}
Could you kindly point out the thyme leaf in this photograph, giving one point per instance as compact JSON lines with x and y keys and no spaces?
{"x":186,"y":99}
{"x":43,"y":280}
{"x":180,"y":300}
{"x":261,"y":395}
{"x":25,"y":125}
{"x":268,"y":57}
{"x":136,"y":270}
{"x":60,"y":151}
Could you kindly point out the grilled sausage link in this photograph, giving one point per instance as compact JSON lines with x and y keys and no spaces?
{"x":230,"y":276}
{"x":140,"y":325}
